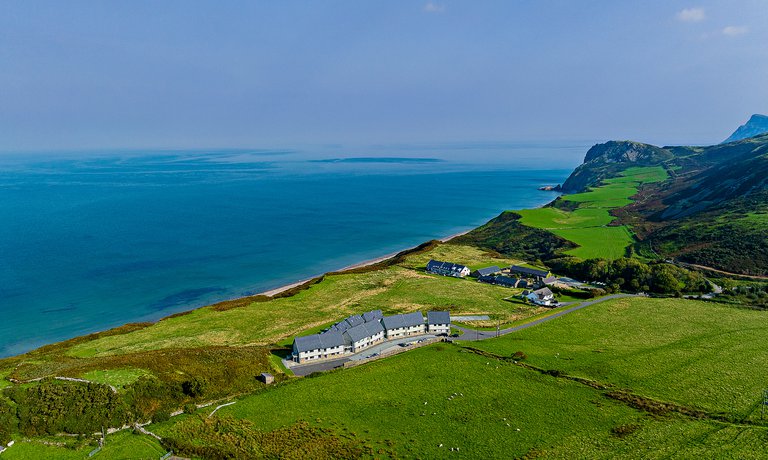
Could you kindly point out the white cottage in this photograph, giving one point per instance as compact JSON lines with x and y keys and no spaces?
{"x":542,"y":296}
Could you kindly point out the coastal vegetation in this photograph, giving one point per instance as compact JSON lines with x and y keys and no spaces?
{"x":633,"y":275}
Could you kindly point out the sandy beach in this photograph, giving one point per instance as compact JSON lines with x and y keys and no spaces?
{"x":365,"y":263}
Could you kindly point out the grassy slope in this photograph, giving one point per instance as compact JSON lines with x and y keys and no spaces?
{"x":395,"y":289}
{"x":586,"y":225}
{"x":697,"y":354}
{"x":707,"y":362}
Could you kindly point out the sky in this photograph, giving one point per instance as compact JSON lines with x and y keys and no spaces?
{"x":248,"y":74}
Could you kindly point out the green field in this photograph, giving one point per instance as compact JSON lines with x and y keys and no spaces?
{"x":123,"y":445}
{"x":115,"y":377}
{"x":477,"y":403}
{"x":587,"y":223}
{"x":697,"y":354}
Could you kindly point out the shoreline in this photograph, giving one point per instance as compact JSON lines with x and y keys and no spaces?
{"x":365,"y":263}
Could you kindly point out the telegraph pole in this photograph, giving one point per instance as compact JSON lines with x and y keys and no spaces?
{"x":765,"y":403}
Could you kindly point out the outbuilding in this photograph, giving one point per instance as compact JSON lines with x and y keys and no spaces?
{"x":487,"y":271}
{"x":530,"y":272}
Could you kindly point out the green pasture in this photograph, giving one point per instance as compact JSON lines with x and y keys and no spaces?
{"x":698,"y":354}
{"x":424,"y":402}
{"x":587,"y":224}
{"x":115,"y":377}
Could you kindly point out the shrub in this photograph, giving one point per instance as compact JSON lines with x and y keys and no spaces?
{"x":161,"y":416}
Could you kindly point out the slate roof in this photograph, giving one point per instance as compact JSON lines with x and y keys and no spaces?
{"x":529,"y":271}
{"x":406,"y":320}
{"x":340,"y":327}
{"x":355,"y":320}
{"x":372,"y":315}
{"x":500,"y":280}
{"x":549,"y":280}
{"x":543,"y":292}
{"x":444,"y":266}
{"x":328,"y":339}
{"x":488,"y":271}
{"x":507,"y":281}
{"x":438,"y":317}
{"x":364,"y":330}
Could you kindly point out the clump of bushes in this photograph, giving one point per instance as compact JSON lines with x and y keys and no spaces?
{"x":54,"y":407}
{"x":633,"y":275}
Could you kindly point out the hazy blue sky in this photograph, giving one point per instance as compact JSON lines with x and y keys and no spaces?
{"x":77,"y":74}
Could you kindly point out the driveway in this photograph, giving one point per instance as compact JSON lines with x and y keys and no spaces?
{"x":474,"y":334}
{"x":301,"y":370}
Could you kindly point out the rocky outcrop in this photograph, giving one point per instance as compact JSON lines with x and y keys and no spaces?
{"x":756,"y":125}
{"x":607,"y":160}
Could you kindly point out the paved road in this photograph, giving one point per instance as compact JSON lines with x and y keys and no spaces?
{"x":474,"y":334}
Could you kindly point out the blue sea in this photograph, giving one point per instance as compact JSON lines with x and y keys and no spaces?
{"x":93,"y":240}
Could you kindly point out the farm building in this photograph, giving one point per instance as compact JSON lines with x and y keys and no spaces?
{"x":504,"y":281}
{"x":404,"y":325}
{"x":542,"y":296}
{"x":488,"y":271}
{"x":439,"y":322}
{"x":529,"y":272}
{"x":549,"y":281}
{"x":447,"y":269}
{"x":318,"y":346}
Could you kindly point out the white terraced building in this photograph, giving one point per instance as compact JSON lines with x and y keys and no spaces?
{"x":364,"y":336}
{"x":318,"y":346}
{"x":359,"y":332}
{"x":439,"y":322}
{"x":404,"y":325}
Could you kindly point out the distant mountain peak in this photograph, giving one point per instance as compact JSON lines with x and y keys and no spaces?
{"x":756,"y":125}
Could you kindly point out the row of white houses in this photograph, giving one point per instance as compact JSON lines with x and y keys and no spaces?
{"x":359,"y":332}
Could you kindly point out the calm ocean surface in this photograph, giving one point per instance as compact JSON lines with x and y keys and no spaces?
{"x":90,"y":241}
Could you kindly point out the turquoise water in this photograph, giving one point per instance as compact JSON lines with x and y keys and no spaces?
{"x":92,"y":241}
